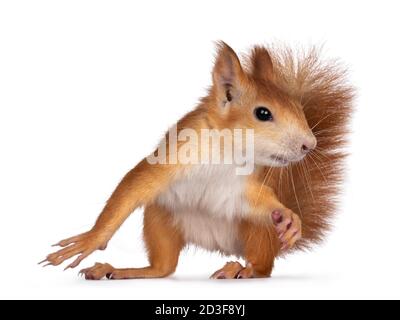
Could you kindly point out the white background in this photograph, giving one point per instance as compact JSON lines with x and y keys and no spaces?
{"x":88,"y":87}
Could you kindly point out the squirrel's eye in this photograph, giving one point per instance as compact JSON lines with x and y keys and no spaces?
{"x":263,"y":114}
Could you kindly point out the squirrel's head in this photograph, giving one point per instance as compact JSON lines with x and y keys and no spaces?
{"x":252,"y":99}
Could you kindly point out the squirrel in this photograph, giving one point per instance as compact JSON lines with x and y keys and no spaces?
{"x":298,"y":108}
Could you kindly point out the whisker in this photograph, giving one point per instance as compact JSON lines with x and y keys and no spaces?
{"x":327,"y":116}
{"x":322,"y":161}
{"x":280,"y":183}
{"x":306,"y":178}
{"x":311,"y":157}
{"x":263,"y":183}
{"x":323,"y":155}
{"x":294,"y":190}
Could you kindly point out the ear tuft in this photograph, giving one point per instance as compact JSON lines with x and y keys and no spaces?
{"x":261,"y":63}
{"x":228,"y":75}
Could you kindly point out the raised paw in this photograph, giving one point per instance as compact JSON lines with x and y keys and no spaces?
{"x":98,"y":271}
{"x":288,"y":227}
{"x":229,"y":271}
{"x":81,"y":246}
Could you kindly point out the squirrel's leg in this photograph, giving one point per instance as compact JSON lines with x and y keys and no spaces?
{"x":164,"y":243}
{"x":137,"y":188}
{"x":261,"y":245}
{"x":269,"y":229}
{"x":269,"y":212}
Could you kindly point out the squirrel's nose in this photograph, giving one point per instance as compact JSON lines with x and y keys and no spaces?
{"x":309,"y":145}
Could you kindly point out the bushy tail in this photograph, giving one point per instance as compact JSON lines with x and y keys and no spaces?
{"x":311,"y":188}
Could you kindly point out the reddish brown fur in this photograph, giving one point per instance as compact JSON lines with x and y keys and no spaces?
{"x":322,"y":89}
{"x":289,"y":82}
{"x":326,"y":96}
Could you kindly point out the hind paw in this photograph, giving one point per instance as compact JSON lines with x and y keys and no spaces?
{"x":246,"y":273}
{"x":234,"y":270}
{"x":229,"y":271}
{"x":98,"y":271}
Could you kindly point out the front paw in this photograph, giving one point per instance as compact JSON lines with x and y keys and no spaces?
{"x":81,"y":246}
{"x":288,"y":227}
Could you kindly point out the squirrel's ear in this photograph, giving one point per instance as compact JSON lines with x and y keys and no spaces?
{"x":228,"y":75}
{"x":261,"y":63}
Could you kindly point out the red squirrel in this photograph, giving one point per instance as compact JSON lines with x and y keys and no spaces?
{"x":298,"y":109}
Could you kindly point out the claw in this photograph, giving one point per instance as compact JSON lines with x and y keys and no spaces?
{"x":68,"y":267}
{"x":81,"y":246}
{"x":219,"y":275}
{"x":109,"y":276}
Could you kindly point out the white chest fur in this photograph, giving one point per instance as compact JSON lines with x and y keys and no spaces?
{"x":206,"y":203}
